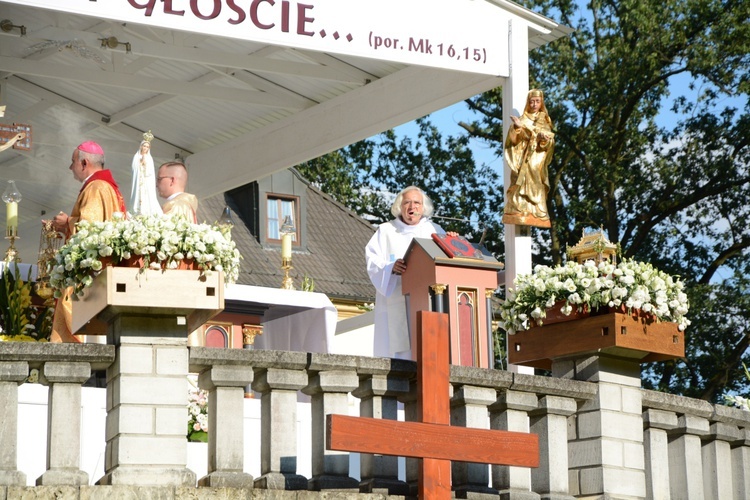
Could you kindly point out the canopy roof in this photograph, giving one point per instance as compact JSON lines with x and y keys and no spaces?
{"x":235,"y":109}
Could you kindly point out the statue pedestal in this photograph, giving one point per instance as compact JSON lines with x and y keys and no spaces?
{"x":149,"y":314}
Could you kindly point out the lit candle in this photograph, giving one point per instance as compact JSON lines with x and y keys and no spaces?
{"x":11,"y":220}
{"x":286,"y":246}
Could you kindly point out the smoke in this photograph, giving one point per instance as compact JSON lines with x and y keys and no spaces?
{"x":72,"y":128}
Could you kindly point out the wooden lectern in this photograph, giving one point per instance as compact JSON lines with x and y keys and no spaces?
{"x":443,"y":275}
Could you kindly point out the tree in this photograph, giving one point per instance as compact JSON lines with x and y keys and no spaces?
{"x":366,"y":176}
{"x":672,"y":195}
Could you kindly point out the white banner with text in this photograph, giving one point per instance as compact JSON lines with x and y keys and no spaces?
{"x":465,"y":35}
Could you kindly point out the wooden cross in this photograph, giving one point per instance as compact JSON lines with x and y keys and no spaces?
{"x":432,"y":439}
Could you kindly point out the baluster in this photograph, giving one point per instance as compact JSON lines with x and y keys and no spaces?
{"x":410,"y":415}
{"x":64,"y":423}
{"x":656,"y":451}
{"x":12,"y":374}
{"x":278,"y":437}
{"x":510,"y":413}
{"x":469,"y":409}
{"x":377,"y":394}
{"x":717,"y":460}
{"x":741,"y":465}
{"x":329,"y":391}
{"x":550,"y":422}
{"x":226,"y":395}
{"x":685,"y":464}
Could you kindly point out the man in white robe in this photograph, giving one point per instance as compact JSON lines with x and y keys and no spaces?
{"x":385,"y":264}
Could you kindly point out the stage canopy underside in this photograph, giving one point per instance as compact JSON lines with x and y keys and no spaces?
{"x":235,"y":110}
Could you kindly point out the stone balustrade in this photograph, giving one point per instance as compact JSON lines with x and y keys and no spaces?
{"x":600,"y":434}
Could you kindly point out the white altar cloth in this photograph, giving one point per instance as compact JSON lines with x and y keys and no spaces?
{"x":23,"y":270}
{"x":293,"y":321}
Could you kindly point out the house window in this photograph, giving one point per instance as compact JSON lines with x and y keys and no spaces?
{"x":277,"y":208}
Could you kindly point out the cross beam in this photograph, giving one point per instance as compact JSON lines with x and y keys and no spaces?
{"x":432,"y":439}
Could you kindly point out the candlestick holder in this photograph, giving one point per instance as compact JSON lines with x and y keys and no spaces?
{"x":11,"y":254}
{"x":287,"y":283}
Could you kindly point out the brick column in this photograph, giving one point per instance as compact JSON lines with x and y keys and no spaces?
{"x":607,"y":449}
{"x":147,"y":403}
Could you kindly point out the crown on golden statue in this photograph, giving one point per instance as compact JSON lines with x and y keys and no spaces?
{"x":148,"y":137}
{"x":536,"y":93}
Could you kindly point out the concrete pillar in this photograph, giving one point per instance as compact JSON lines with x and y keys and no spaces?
{"x":550,"y":421}
{"x":685,"y":457}
{"x":12,"y":374}
{"x":607,"y":450}
{"x":64,"y":423}
{"x":510,"y":413}
{"x":329,"y":390}
{"x":656,"y":451}
{"x":717,"y":460}
{"x":741,"y":465}
{"x":278,"y":436}
{"x":377,"y":394}
{"x":469,"y":409}
{"x":409,"y":401}
{"x":147,"y":402}
{"x":226,"y":438}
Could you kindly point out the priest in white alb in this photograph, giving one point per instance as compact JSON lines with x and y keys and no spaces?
{"x":384,"y":253}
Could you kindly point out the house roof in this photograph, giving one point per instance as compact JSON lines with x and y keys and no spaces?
{"x":334,"y":256}
{"x":237,"y":110}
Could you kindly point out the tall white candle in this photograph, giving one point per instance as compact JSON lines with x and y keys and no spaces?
{"x":11,"y":219}
{"x":286,"y":246}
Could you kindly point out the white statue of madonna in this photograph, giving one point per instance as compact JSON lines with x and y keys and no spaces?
{"x":143,"y":198}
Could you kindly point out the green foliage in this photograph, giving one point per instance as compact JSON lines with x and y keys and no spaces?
{"x":308,"y":284}
{"x":365,"y":176}
{"x":672,"y":194}
{"x":20,"y":319}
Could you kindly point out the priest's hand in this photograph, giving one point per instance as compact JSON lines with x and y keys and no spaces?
{"x":60,"y":222}
{"x":399,"y":267}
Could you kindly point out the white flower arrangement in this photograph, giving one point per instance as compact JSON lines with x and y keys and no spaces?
{"x":740,"y":402}
{"x":163,"y":241}
{"x":590,"y":286}
{"x":197,"y":406}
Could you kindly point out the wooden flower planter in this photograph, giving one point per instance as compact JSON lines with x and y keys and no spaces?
{"x":634,"y":336}
{"x":118,"y":290}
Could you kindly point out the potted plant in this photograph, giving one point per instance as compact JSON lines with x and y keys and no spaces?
{"x":601,"y":301}
{"x":155,"y":242}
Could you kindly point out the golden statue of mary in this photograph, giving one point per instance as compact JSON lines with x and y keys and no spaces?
{"x":528,"y":150}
